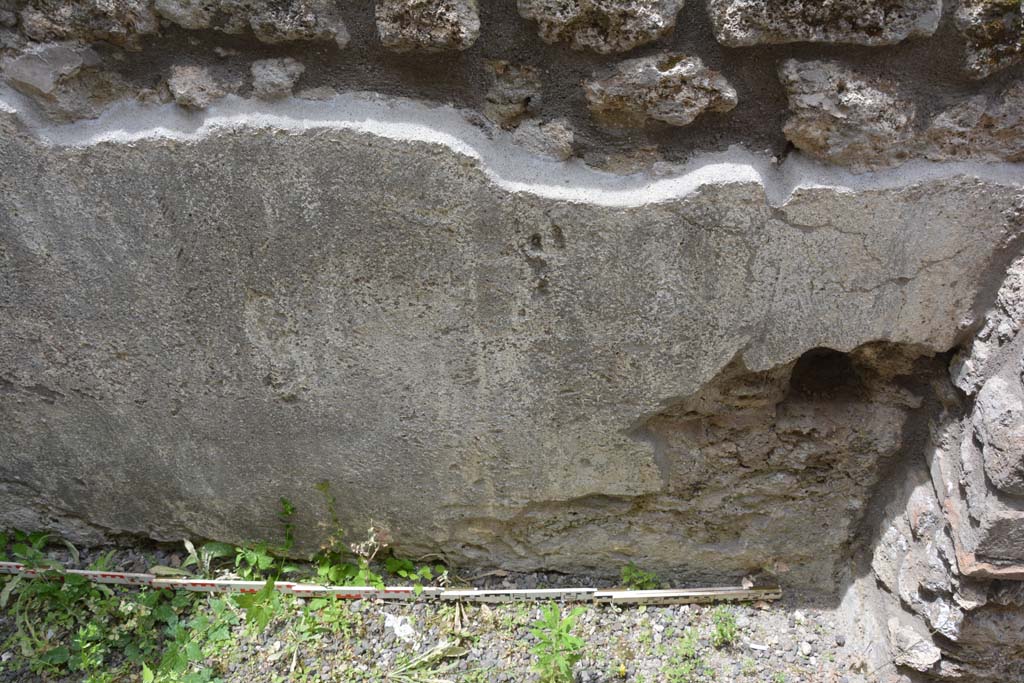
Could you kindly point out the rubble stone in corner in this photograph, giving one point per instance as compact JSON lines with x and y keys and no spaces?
{"x":912,"y":649}
{"x":427,"y":25}
{"x":194,"y":87}
{"x":978,"y":621}
{"x":275,"y":78}
{"x":982,"y":477}
{"x":999,"y":425}
{"x":952,"y":554}
{"x":974,"y":364}
{"x":63,"y":79}
{"x":671,"y":88}
{"x":846,"y":118}
{"x":605,"y":26}
{"x":864,"y":22}
{"x":515,"y":93}
{"x":984,"y":128}
{"x":994,"y":31}
{"x":270,"y":22}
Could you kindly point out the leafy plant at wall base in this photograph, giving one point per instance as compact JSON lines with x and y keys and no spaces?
{"x":366,"y":576}
{"x":334,"y":565}
{"x":49,"y":606}
{"x":251,"y":563}
{"x":407,"y":570}
{"x":104,"y":562}
{"x":557,"y":649}
{"x":206,"y":555}
{"x":637,"y":579}
{"x":28,"y":550}
{"x":332,"y":571}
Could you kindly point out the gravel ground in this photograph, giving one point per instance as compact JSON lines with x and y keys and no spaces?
{"x":775,"y":644}
{"x":789,"y":641}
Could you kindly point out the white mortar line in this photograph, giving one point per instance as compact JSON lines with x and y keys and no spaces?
{"x":509,"y":166}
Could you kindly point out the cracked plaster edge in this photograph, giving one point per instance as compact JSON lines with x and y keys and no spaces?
{"x":509,"y":166}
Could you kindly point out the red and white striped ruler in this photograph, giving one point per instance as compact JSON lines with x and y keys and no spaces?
{"x":310,"y":590}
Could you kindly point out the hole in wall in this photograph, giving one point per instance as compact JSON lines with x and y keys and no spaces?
{"x":824,"y":373}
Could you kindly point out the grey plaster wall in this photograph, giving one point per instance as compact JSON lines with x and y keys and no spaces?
{"x":201,"y":322}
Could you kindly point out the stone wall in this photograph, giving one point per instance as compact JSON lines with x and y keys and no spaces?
{"x":623,"y":85}
{"x":947,"y":561}
{"x":721,"y":288}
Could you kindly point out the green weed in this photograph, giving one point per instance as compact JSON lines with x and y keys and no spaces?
{"x":725,"y":630}
{"x":427,"y":667}
{"x":260,"y":607}
{"x":66,"y":625}
{"x":635,"y":578}
{"x":685,"y":664}
{"x":252,"y":563}
{"x":207,"y":554}
{"x":748,"y":667}
{"x":557,"y":649}
{"x":190,"y":642}
{"x":688,"y":645}
{"x":407,"y":570}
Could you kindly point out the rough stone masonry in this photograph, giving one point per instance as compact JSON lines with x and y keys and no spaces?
{"x":719,"y":287}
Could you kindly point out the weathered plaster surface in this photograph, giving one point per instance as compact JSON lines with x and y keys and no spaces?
{"x":212,"y":310}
